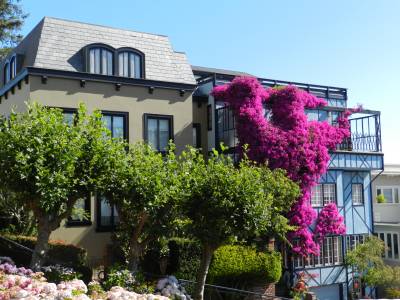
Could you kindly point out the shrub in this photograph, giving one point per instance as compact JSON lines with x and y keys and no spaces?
{"x":244,"y":264}
{"x":59,"y":252}
{"x":184,"y":258}
{"x":380,"y":198}
{"x":59,"y":273}
{"x":392,"y":293}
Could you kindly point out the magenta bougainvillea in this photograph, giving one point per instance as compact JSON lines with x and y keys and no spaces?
{"x":285,"y":139}
{"x":329,"y":221}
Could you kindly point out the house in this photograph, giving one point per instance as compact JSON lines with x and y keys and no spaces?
{"x":347,"y":182}
{"x":387,"y":211}
{"x":141,"y":85}
{"x":147,"y":91}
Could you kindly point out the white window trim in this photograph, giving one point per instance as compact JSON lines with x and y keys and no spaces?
{"x":392,"y":187}
{"x":392,"y":240}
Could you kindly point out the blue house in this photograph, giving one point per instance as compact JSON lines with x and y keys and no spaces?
{"x":347,"y":182}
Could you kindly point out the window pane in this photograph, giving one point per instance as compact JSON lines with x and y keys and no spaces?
{"x":121,"y":64}
{"x":316,"y":196}
{"x":69,"y":118}
{"x":107,"y":122}
{"x":389,"y":245}
{"x":395,"y":246}
{"x":357,"y":193}
{"x":126,"y":62}
{"x":106,"y":62}
{"x":152,"y":138}
{"x":396,"y":195}
{"x":105,"y":213}
{"x":118,"y":127}
{"x":80,"y":205}
{"x":138,"y":68}
{"x":164,"y":134}
{"x":97,"y":61}
{"x":329,"y":193}
{"x":116,"y":217}
{"x":387,"y":193}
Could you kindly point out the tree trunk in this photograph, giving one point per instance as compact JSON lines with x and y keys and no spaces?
{"x":42,"y":245}
{"x":135,"y":255}
{"x":206,"y":256}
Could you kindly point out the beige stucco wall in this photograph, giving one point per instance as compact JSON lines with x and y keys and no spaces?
{"x":136,"y":101}
{"x":15,"y":101}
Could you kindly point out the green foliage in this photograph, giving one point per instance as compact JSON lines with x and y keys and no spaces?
{"x":144,"y":187}
{"x":58,"y":273}
{"x":66,"y":254}
{"x":227,"y":202}
{"x":15,"y":219}
{"x":184,"y":258}
{"x":380,"y":199}
{"x":119,"y":275}
{"x":244,"y":264}
{"x":392,"y":293}
{"x":11,"y":20}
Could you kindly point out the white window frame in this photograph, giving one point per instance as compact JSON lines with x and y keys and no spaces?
{"x":360,"y":194}
{"x":321,"y":195}
{"x":393,"y":188}
{"x":386,"y":252}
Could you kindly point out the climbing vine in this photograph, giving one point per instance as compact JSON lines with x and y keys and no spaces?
{"x":273,"y":123}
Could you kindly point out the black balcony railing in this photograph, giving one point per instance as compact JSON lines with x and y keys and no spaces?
{"x":365,"y":131}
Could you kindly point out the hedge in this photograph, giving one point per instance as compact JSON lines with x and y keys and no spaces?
{"x":244,"y":264}
{"x":59,"y":253}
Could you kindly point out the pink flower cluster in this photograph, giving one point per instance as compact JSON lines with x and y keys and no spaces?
{"x":329,"y":221}
{"x":285,"y":139}
{"x":28,"y":285}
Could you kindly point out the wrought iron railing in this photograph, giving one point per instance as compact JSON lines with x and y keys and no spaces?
{"x":365,"y":131}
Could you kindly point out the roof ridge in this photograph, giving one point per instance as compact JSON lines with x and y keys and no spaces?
{"x":104,"y":26}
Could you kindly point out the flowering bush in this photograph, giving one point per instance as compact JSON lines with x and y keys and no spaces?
{"x":286,"y":140}
{"x":21,"y":283}
{"x":59,"y":273}
{"x":329,"y":221}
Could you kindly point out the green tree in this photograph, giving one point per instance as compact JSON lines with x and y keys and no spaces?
{"x":226,"y":202}
{"x":50,"y":164}
{"x":11,"y":20}
{"x":144,"y":190}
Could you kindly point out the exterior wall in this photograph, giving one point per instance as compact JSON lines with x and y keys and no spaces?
{"x":136,"y":101}
{"x":200,"y":116}
{"x":15,"y":101}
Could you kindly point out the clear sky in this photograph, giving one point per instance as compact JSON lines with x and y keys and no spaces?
{"x":347,"y":43}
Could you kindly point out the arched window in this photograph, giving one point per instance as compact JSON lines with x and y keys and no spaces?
{"x":13,"y":67}
{"x":130,"y":63}
{"x":6,"y":73}
{"x":101,"y":60}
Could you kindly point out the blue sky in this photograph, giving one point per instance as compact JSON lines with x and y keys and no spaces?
{"x":347,"y":43}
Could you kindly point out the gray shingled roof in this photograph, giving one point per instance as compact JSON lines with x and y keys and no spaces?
{"x":60,"y":42}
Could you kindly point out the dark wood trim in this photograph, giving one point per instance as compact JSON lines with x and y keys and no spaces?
{"x":197,"y":127}
{"x":209,"y":117}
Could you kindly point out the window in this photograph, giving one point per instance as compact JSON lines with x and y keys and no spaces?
{"x":13,"y":67}
{"x":130,"y":64}
{"x":331,"y":253}
{"x":158,"y":130}
{"x":196,"y":135}
{"x":81,"y":217}
{"x":6,"y":73}
{"x":69,"y":115}
{"x":107,"y":215}
{"x":116,"y":123}
{"x":323,"y":194}
{"x":391,"y":194}
{"x":101,"y":61}
{"x":209,"y":117}
{"x":352,"y":241}
{"x":391,"y":241}
{"x":357,"y":194}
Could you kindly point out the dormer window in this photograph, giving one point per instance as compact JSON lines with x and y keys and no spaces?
{"x":6,"y":73}
{"x":13,"y":67}
{"x":101,"y":61}
{"x":130,"y":64}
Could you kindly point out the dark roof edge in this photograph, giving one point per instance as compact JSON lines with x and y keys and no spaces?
{"x":49,"y":73}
